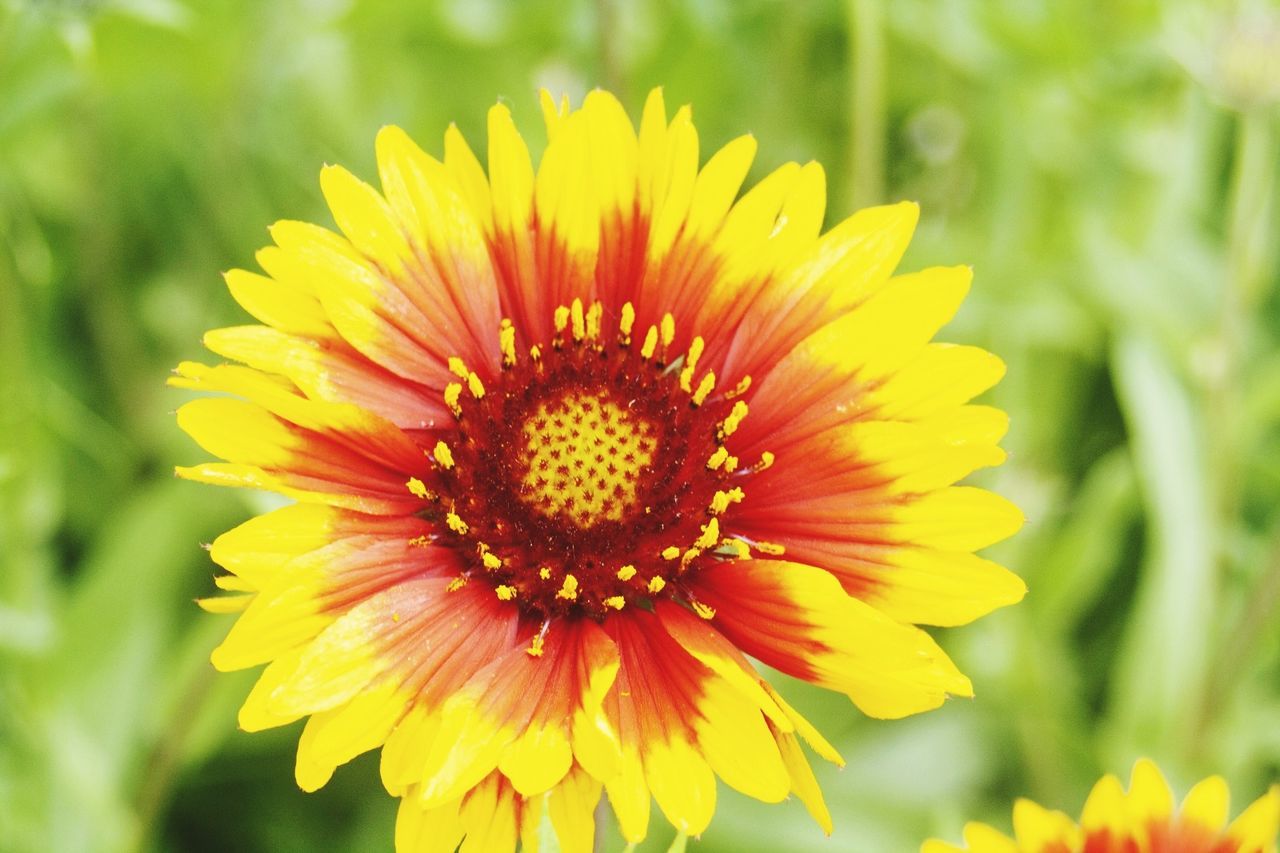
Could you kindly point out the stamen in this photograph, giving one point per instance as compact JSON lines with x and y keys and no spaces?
{"x":710,"y":533}
{"x":705,"y":387}
{"x":579,"y":325}
{"x":416,"y":487}
{"x":617,"y":602}
{"x":656,"y":583}
{"x":505,"y":592}
{"x":670,"y":552}
{"x":458,"y":367}
{"x":766,"y":462}
{"x":544,"y":573}
{"x":650,"y":343}
{"x":443,"y":455}
{"x":421,"y":541}
{"x":627,"y":320}
{"x":702,"y":610}
{"x":491,"y":561}
{"x":626,"y":573}
{"x":569,"y":591}
{"x":507,"y":342}
{"x":691,"y":364}
{"x":721,"y":500}
{"x":773,"y":549}
{"x":535,"y":647}
{"x":731,"y":464}
{"x":740,"y":388}
{"x":561,"y":318}
{"x":734,"y":548}
{"x":457,"y":583}
{"x":452,"y":393}
{"x":717,"y":459}
{"x":456,"y":524}
{"x":475,"y":386}
{"x":668,"y":330}
{"x":594,"y":315}
{"x":734,"y":419}
{"x":535,"y":352}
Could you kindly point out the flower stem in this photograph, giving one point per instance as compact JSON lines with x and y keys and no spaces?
{"x":866,"y":114}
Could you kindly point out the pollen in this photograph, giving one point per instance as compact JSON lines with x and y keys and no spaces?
{"x":443,"y":455}
{"x":415,"y":486}
{"x":656,"y":583}
{"x":456,"y":524}
{"x":505,"y":592}
{"x":626,"y":573}
{"x":617,"y":602}
{"x":584,"y":457}
{"x":569,"y":590}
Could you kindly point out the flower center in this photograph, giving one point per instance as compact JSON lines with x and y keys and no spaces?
{"x":591,"y":475}
{"x":585,"y":454}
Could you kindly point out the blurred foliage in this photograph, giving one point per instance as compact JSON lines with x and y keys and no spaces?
{"x":1108,"y":168}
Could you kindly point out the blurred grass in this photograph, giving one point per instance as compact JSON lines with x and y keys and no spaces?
{"x":1108,"y":169}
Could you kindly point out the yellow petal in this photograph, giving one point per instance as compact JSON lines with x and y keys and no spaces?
{"x":572,"y":805}
{"x":1037,"y":828}
{"x":682,"y":784}
{"x":1207,"y":804}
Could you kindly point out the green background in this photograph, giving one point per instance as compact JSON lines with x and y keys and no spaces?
{"x":1108,"y":168}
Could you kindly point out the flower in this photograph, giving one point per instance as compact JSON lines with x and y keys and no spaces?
{"x":1142,"y":820}
{"x":569,"y":444}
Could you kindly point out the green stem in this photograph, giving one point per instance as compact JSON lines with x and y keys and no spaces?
{"x":867,"y":85}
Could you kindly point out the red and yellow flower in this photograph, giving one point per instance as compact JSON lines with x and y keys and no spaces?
{"x":1141,"y":820}
{"x":568,"y":444}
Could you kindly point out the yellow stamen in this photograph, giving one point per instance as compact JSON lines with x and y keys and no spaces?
{"x":617,"y":602}
{"x":457,"y":583}
{"x":739,"y":389}
{"x":491,"y":561}
{"x":731,"y":464}
{"x":505,"y":592}
{"x":569,"y":590}
{"x":688,"y":557}
{"x":766,"y":461}
{"x":544,"y":573}
{"x":691,"y":363}
{"x":416,"y":487}
{"x":421,"y":541}
{"x":594,"y":315}
{"x":458,"y":367}
{"x":475,"y":386}
{"x":771,"y":548}
{"x":535,"y":352}
{"x":734,"y":418}
{"x":535,"y":647}
{"x":656,"y":584}
{"x":443,"y":455}
{"x":721,"y":501}
{"x":579,"y":324}
{"x":456,"y":524}
{"x":703,"y":610}
{"x":668,"y":329}
{"x":717,"y":458}
{"x":735,"y":548}
{"x":561,"y":318}
{"x":650,"y":343}
{"x":626,"y":322}
{"x":452,"y":393}
{"x":705,"y":387}
{"x":507,"y":342}
{"x":670,"y":552}
{"x":626,"y":573}
{"x":710,"y":534}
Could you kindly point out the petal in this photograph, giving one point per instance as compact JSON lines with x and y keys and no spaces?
{"x":571,"y":806}
{"x":1207,"y":805}
{"x":419,"y":830}
{"x":333,"y":372}
{"x":797,"y":618}
{"x":487,"y":717}
{"x":1037,"y":828}
{"x":1258,"y":825}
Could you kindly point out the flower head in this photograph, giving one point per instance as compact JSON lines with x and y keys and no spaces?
{"x":569,"y":444}
{"x":1141,"y":820}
